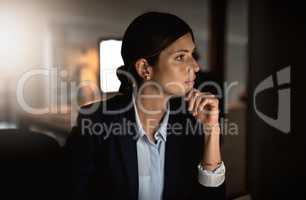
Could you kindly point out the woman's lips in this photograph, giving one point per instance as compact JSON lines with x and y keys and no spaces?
{"x":189,"y":82}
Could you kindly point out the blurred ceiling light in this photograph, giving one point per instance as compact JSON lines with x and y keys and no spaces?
{"x":110,"y":60}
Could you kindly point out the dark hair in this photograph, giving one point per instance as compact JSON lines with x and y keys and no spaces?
{"x":146,"y":37}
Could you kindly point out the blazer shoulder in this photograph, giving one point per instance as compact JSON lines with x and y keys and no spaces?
{"x":102,"y":106}
{"x":93,"y":113}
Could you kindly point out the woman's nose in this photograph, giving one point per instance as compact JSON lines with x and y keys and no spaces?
{"x":195,"y":65}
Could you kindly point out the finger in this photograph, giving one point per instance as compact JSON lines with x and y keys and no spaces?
{"x":209,"y":95}
{"x":198,"y":100}
{"x":192,"y":100}
{"x":190,"y":94}
{"x":203,"y":104}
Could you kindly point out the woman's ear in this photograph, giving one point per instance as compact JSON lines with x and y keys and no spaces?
{"x":143,"y":69}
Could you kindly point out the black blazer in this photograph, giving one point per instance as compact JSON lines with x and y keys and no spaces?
{"x":103,"y":167}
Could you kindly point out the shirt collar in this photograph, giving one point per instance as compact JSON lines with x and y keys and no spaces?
{"x":162,"y":130}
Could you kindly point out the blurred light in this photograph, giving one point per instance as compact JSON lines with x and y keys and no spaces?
{"x":11,"y":39}
{"x":110,"y":60}
{"x":7,"y":125}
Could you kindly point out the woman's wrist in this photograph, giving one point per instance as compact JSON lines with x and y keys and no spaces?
{"x":211,"y":129}
{"x":210,"y":165}
{"x":212,"y":155}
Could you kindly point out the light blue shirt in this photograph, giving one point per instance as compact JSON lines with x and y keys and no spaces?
{"x":151,"y":157}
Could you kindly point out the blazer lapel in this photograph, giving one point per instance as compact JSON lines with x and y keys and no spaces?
{"x":172,"y":161}
{"x":127,"y":143}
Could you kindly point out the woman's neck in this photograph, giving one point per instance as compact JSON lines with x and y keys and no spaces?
{"x":151,"y":105}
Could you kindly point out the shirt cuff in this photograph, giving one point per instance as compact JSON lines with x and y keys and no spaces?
{"x":211,"y":178}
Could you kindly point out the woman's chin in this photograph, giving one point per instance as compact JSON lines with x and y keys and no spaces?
{"x":181,"y":92}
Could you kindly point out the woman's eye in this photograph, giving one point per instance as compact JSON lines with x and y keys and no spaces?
{"x":180,"y":57}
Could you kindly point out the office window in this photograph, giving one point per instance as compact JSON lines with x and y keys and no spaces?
{"x":110,"y":60}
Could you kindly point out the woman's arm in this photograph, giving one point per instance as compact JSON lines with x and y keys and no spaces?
{"x":212,"y":154}
{"x":205,"y":108}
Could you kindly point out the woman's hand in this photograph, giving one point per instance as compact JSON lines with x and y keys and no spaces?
{"x":204,"y":106}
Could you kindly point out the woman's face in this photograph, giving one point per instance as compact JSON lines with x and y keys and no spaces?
{"x":176,"y":67}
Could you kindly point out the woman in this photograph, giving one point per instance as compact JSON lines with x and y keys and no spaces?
{"x":159,"y":138}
